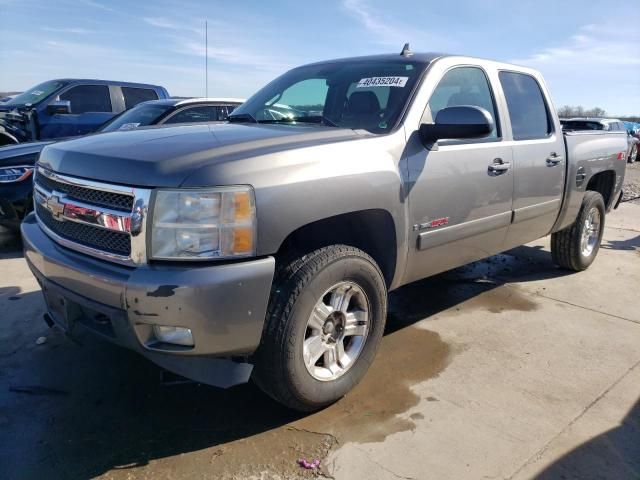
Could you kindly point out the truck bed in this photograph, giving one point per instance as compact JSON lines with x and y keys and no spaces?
{"x":588,"y":153}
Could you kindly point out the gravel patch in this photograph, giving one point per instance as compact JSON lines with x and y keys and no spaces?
{"x":632,"y":183}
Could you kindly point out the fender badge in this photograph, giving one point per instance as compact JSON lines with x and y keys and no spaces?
{"x":438,"y":222}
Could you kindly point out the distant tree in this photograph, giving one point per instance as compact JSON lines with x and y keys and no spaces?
{"x":595,"y":112}
{"x":568,"y":111}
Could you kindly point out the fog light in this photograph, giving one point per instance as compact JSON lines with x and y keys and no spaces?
{"x":175,"y":335}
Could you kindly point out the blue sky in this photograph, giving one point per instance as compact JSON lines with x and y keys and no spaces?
{"x":588,"y":50}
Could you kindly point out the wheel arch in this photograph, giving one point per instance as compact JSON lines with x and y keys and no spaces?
{"x":603,"y":183}
{"x":372,"y":231}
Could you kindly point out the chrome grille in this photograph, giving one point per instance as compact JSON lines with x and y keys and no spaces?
{"x":98,"y":198}
{"x":99,"y":219}
{"x":93,"y":237}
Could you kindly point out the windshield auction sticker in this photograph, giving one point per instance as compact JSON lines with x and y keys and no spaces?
{"x":382,"y":82}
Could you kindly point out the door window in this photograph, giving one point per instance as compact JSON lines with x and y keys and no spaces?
{"x":464,"y":86}
{"x":133,"y":96}
{"x":88,"y":98}
{"x":530,"y":117}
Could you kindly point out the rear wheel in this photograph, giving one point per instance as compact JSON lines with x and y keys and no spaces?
{"x":633,"y":155}
{"x":576,"y":247}
{"x":325,"y":320}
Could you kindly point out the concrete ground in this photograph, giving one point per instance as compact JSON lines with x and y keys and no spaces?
{"x":508,"y":368}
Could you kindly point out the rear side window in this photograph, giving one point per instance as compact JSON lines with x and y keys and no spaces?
{"x":464,"y":86}
{"x":195,"y":114}
{"x":530,"y":117}
{"x":133,"y":96}
{"x":88,"y":98}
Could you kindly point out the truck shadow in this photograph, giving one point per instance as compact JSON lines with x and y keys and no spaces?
{"x":78,"y":409}
{"x":612,"y":454}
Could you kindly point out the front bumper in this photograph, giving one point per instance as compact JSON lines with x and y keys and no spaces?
{"x":224,"y":305}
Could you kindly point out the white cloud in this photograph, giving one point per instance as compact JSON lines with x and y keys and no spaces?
{"x":95,"y":4}
{"x":596,"y":45}
{"x":385,"y":31}
{"x":599,"y":62}
{"x":79,"y":31}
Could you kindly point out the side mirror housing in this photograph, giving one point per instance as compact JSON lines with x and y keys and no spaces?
{"x":457,"y":123}
{"x":61,"y":107}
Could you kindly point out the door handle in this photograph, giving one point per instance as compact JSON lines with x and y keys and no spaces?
{"x":498,"y":167}
{"x":554,"y":159}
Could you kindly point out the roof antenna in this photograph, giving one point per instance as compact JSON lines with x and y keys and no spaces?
{"x":406,"y":51}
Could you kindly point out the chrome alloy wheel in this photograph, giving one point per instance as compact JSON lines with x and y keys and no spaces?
{"x":336,"y":331}
{"x":590,"y":232}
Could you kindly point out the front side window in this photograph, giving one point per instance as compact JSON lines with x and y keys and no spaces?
{"x":88,"y":98}
{"x":206,"y":113}
{"x":528,"y":111}
{"x":134,"y":96}
{"x":463,"y":86}
{"x":366,"y":94}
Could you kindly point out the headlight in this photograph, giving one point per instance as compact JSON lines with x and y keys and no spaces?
{"x":14,"y":174}
{"x":204,"y":224}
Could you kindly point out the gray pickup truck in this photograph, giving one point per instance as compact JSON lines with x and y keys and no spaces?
{"x":264,"y":248}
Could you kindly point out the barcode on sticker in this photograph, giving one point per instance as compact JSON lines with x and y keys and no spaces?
{"x":382,"y":82}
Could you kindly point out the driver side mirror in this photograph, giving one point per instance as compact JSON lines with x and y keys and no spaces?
{"x":457,"y":123}
{"x":61,"y":107}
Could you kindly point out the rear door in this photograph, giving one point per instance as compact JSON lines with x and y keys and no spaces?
{"x":538,"y":155}
{"x":459,"y":204}
{"x":135,"y":95}
{"x":90,"y":107}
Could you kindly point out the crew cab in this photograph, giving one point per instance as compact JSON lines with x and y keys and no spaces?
{"x":265,"y":248}
{"x":69,"y":107}
{"x":17,"y":161}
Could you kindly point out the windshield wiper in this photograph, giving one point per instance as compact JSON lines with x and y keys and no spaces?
{"x":318,"y":119}
{"x":242,"y":117}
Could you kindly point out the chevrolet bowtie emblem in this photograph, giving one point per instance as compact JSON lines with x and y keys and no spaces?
{"x":56,"y":207}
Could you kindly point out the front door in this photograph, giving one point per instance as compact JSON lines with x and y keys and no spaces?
{"x":459,"y":194}
{"x":90,"y":108}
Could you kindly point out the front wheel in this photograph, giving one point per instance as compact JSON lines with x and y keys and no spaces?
{"x":325,"y":320}
{"x":576,"y":247}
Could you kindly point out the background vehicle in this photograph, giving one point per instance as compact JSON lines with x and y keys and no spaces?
{"x":607,"y":124}
{"x":16,"y":161}
{"x":273,"y":242}
{"x":69,"y":107}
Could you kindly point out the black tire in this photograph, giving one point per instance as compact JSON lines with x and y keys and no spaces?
{"x":280,"y":370}
{"x":633,"y":155}
{"x":566,"y":248}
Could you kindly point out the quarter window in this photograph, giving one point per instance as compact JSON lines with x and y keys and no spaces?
{"x":134,"y":96}
{"x":464,"y":86}
{"x":530,"y":117}
{"x":88,"y":98}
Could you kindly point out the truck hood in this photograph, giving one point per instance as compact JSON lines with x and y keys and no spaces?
{"x":166,"y":156}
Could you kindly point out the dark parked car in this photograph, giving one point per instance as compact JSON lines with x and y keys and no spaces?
{"x":69,"y":107}
{"x":607,"y":124}
{"x":16,"y":161}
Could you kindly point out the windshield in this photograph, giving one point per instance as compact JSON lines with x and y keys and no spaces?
{"x":37,"y":93}
{"x":138,"y":116}
{"x":367,"y":95}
